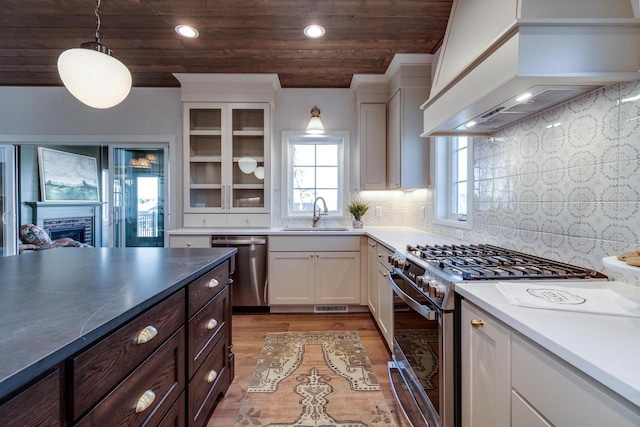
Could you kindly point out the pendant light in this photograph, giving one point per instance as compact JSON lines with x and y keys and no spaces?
{"x":315,"y":124}
{"x":92,"y":74}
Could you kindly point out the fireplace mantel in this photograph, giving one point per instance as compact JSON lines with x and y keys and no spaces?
{"x":43,"y":211}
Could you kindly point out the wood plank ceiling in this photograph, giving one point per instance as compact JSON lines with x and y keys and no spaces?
{"x":236,"y":36}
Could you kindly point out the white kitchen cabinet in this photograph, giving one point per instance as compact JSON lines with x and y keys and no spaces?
{"x":507,"y":380}
{"x":407,"y":153}
{"x":190,"y":241}
{"x":561,"y":395}
{"x":317,"y":270}
{"x":219,"y":137}
{"x":380,"y":295}
{"x":485,"y":369}
{"x":373,"y":146}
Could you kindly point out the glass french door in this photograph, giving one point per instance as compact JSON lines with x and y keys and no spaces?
{"x":8,"y":231}
{"x":139,"y":196}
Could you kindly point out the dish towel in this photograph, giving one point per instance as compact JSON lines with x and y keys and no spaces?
{"x":597,"y":301}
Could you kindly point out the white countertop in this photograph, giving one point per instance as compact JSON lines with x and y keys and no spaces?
{"x":606,"y":348}
{"x":393,"y":237}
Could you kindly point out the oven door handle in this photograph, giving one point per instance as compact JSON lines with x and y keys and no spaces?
{"x":423,"y":310}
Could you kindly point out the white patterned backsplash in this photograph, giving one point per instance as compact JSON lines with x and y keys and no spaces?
{"x":563,"y":184}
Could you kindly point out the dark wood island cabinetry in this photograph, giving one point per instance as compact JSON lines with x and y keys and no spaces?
{"x":142,"y":346}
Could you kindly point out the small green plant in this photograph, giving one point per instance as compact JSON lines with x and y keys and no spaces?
{"x":358,"y":209}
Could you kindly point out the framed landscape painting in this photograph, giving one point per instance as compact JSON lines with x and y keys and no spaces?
{"x":66,"y":177}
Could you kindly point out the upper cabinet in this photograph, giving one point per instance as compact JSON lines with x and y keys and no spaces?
{"x":392,"y":153}
{"x":226,"y":164}
{"x":407,"y":152}
{"x":226,"y":148}
{"x":373,"y":146}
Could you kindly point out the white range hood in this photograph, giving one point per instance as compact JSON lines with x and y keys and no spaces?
{"x":496,"y":51}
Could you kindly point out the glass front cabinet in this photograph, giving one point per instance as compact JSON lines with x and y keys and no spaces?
{"x":227,"y":174}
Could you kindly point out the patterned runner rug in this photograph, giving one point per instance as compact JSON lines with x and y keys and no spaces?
{"x":314,"y":379}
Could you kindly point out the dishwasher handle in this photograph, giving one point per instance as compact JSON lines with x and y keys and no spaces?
{"x":215,"y":243}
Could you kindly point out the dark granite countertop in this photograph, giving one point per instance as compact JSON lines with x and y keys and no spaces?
{"x":56,"y":302}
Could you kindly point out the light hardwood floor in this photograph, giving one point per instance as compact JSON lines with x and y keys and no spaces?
{"x":249,"y":331}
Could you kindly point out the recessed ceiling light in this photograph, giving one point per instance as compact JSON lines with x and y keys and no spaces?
{"x":314,"y":31}
{"x":187,"y":31}
{"x":470,"y":124}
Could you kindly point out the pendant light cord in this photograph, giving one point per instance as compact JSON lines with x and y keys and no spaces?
{"x":97,"y":34}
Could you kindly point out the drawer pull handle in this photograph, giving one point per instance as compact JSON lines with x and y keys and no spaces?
{"x":476,"y":323}
{"x":212,"y":283}
{"x":147,"y":334}
{"x":212,"y":324}
{"x":211,"y":377}
{"x":145,"y":401}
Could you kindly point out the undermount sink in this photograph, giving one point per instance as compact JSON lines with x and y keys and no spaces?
{"x":315,"y":229}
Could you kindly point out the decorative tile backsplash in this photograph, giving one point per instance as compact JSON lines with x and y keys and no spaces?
{"x":563,"y":184}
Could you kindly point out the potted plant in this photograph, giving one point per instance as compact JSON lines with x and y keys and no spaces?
{"x":358,"y":209}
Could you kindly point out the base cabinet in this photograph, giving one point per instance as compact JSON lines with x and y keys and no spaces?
{"x":486,"y":383}
{"x":508,"y":380}
{"x":314,"y":270}
{"x":38,"y":405}
{"x":380,"y":295}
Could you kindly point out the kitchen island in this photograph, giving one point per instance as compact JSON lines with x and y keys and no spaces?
{"x":59,"y":303}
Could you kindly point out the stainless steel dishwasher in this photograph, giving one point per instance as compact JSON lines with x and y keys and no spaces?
{"x":250,"y":276}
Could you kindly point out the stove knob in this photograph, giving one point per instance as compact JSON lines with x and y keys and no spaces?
{"x":436,"y":290}
{"x":399,"y":263}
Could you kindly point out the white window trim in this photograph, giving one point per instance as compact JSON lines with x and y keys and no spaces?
{"x":343,"y":173}
{"x":442,"y":187}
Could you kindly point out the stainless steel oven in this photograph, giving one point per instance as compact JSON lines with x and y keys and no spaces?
{"x":422,"y":369}
{"x":425,"y":368}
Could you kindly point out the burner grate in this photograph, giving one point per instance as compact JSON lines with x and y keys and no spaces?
{"x":488,"y":262}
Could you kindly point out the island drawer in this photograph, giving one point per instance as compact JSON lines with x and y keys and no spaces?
{"x":205,"y":329}
{"x":208,"y":382}
{"x":98,"y":369}
{"x":201,"y":290}
{"x":146,"y":395}
{"x":38,"y":405}
{"x":176,"y":415}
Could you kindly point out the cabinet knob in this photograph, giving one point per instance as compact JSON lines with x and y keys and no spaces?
{"x":145,"y":401}
{"x":373,"y":245}
{"x":384,"y":275}
{"x":212,"y":324}
{"x":380,"y":255}
{"x":212,"y":283}
{"x":188,"y":243}
{"x":204,"y":221}
{"x":147,"y":334}
{"x":476,"y":323}
{"x":211,"y":376}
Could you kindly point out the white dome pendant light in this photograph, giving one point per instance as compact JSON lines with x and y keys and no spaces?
{"x":92,"y":74}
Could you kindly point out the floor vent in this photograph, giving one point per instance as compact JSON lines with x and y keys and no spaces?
{"x":330,"y":309}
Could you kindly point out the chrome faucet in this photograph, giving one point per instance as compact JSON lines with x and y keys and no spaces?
{"x":316,"y":218}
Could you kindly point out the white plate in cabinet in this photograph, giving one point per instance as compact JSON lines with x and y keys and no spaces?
{"x":190,"y":241}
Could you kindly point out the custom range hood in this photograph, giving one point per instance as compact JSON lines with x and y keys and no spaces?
{"x":503,"y":60}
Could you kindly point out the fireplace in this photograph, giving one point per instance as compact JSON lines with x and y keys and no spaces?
{"x":79,"y":229}
{"x":79,"y":221}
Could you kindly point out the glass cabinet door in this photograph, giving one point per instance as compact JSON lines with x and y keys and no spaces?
{"x":205,"y":157}
{"x":9,"y":229}
{"x":248,"y":163}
